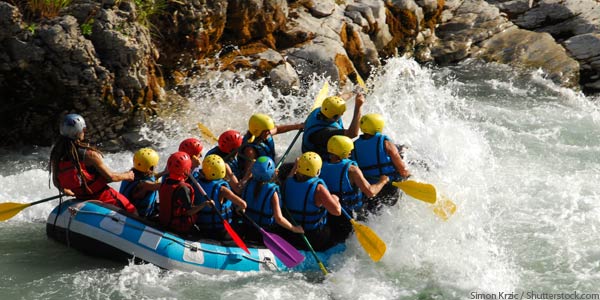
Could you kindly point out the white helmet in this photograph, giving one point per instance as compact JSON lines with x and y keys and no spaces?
{"x":72,"y":125}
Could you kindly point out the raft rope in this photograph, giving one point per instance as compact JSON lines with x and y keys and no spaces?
{"x":266,"y":261}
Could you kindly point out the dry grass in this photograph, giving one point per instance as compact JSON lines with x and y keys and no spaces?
{"x":40,"y":9}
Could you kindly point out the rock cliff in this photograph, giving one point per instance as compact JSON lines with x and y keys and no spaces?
{"x":114,"y":60}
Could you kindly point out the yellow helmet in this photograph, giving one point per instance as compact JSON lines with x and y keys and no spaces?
{"x":371,"y":123}
{"x":145,"y":160}
{"x":213,"y":167}
{"x":310,"y":164}
{"x":333,"y":106}
{"x":259,"y":123}
{"x":340,"y":145}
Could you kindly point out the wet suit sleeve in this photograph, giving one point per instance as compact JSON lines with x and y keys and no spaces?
{"x":321,"y":137}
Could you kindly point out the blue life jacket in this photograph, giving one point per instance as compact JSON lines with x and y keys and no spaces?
{"x":262,"y":148}
{"x":314,"y":123}
{"x":145,"y":206}
{"x":259,"y":207}
{"x":232,"y":161}
{"x":299,"y":198}
{"x":373,"y":161}
{"x":207,"y":219}
{"x":336,"y":177}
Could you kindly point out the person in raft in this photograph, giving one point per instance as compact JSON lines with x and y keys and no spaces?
{"x":258,"y":141}
{"x":176,"y":210}
{"x":264,"y":202}
{"x":377,"y":155}
{"x":227,"y":148}
{"x":142,"y":192}
{"x":326,"y":121}
{"x":193,"y":148}
{"x":217,"y":189}
{"x":308,"y":200}
{"x":77,"y":169}
{"x":344,"y":179}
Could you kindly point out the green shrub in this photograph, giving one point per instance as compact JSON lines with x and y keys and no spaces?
{"x":148,"y":8}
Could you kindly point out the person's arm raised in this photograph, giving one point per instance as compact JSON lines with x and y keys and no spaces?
{"x":93,"y":158}
{"x":354,"y":128}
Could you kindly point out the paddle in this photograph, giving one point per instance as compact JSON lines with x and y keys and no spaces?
{"x":418,"y":190}
{"x":10,"y":209}
{"x":321,"y":96}
{"x":360,"y":81}
{"x":280,"y":247}
{"x":312,"y":251}
{"x":236,"y":238}
{"x":206,"y":133}
{"x":373,"y":245}
{"x":444,"y":208}
{"x":426,"y":192}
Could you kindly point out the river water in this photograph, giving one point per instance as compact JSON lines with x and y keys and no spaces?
{"x":516,"y":153}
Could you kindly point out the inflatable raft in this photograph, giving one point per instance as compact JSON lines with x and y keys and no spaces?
{"x":101,"y":230}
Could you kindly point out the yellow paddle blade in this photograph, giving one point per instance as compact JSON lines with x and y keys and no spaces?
{"x":418,"y":190}
{"x":10,"y":209}
{"x":206,"y":133}
{"x":373,"y":245}
{"x":321,"y":96}
{"x":444,"y":208}
{"x":361,"y":82}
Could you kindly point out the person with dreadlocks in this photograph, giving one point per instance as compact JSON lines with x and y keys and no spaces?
{"x":77,"y":168}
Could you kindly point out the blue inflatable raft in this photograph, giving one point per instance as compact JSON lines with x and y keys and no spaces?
{"x":98,"y":229}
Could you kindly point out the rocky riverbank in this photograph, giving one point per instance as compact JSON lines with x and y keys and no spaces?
{"x":116,"y":61}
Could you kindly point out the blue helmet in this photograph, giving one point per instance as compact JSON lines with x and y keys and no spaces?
{"x":263,"y":169}
{"x":71,"y":126}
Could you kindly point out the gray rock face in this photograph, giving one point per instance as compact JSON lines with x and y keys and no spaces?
{"x":562,"y":17}
{"x":105,"y":76}
{"x":586,"y":48}
{"x":473,"y":22}
{"x":526,"y":49}
{"x":44,"y":73}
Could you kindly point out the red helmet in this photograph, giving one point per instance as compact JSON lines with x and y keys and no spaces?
{"x":179,"y":165}
{"x":191,"y":146}
{"x":229,"y":141}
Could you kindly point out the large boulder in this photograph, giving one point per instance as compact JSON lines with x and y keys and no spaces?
{"x":532,"y":50}
{"x":189,"y":30}
{"x":43,"y":72}
{"x":586,"y":49}
{"x":249,"y":20}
